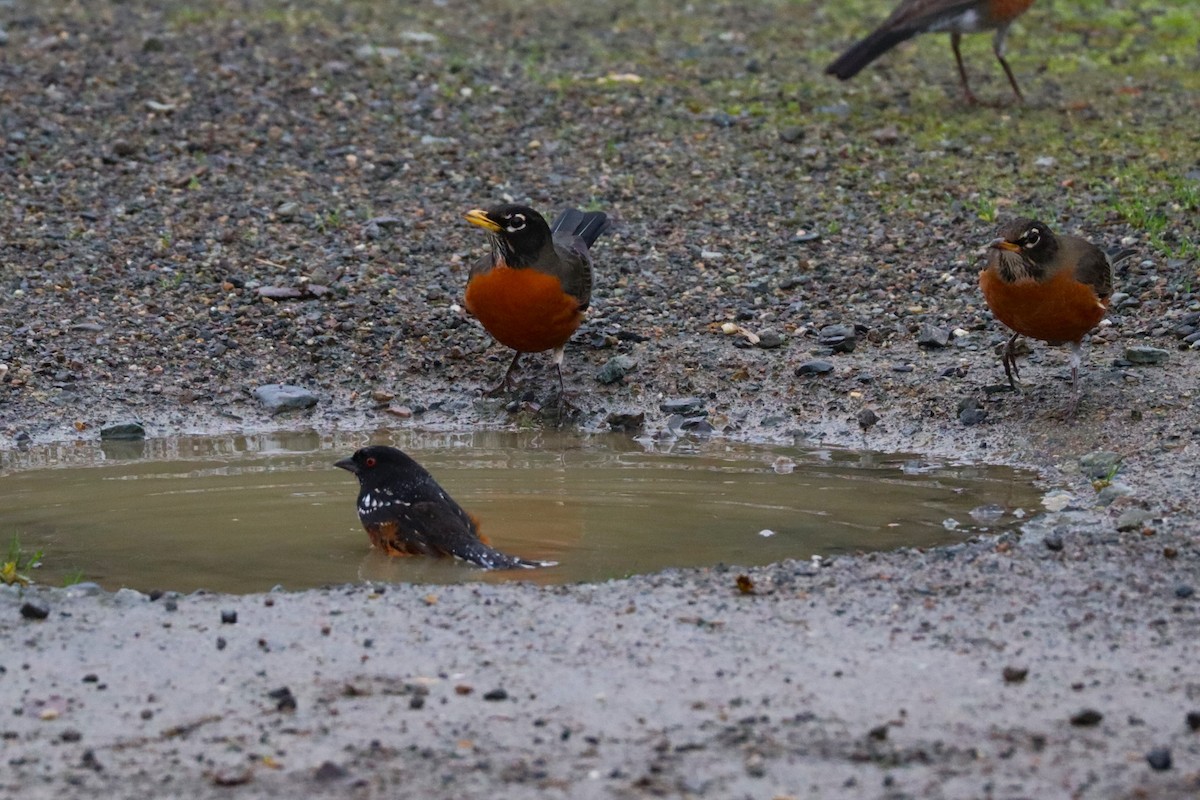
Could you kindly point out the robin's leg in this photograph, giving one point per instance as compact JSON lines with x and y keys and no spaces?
{"x":998,"y":49}
{"x":1010,"y":362}
{"x":1075,"y":360}
{"x":507,"y":381}
{"x":955,"y":40}
{"x":563,"y":397}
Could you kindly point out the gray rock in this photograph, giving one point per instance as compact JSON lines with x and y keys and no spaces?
{"x":1100,"y":464}
{"x":867,"y":418}
{"x":281,"y":397}
{"x":684,"y":406}
{"x":616,"y":369}
{"x":628,"y":422}
{"x":1133,"y":519}
{"x":34,"y":609}
{"x":1159,"y":758}
{"x":769,"y":339}
{"x":287,"y":211}
{"x":1111,"y":492}
{"x":932,"y":336}
{"x":1146,"y":355}
{"x":839,"y":338}
{"x":123,"y":431}
{"x":814,"y":367}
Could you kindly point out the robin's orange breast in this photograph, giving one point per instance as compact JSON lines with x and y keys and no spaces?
{"x":523,"y":309}
{"x":1059,"y":310}
{"x":1005,"y":10}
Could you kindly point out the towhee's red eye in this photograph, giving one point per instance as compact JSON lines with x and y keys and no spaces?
{"x":370,"y":462}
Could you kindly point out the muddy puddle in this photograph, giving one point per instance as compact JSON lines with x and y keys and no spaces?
{"x":249,"y":513}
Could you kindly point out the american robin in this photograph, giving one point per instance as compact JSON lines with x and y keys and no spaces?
{"x":406,"y":513}
{"x":1050,"y":287}
{"x":923,"y":16}
{"x":531,"y":291}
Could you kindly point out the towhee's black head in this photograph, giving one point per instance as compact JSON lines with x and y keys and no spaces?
{"x":518,"y":233}
{"x":379,"y":465}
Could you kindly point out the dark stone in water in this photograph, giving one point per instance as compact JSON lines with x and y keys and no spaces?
{"x":123,"y":431}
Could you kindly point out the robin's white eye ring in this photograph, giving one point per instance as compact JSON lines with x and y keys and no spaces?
{"x":516,"y":223}
{"x":1032,"y":237}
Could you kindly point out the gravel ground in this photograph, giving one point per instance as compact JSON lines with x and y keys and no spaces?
{"x":164,"y":164}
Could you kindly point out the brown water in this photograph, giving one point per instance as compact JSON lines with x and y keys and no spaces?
{"x":243,"y":514}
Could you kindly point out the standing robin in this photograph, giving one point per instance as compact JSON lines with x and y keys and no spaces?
{"x":1050,"y":287}
{"x":923,"y":16}
{"x":406,"y":513}
{"x":531,"y":291}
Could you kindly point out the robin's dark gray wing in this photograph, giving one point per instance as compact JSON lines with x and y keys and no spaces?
{"x":1091,"y":264}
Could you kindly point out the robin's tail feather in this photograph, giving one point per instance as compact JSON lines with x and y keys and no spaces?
{"x":851,"y":62}
{"x":481,"y":555}
{"x":587,"y":225}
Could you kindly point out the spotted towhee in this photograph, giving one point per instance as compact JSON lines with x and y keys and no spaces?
{"x":1047,"y":286}
{"x":957,"y":17}
{"x":531,"y":291}
{"x":406,"y":513}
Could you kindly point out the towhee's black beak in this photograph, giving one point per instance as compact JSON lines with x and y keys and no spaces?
{"x":347,"y":464}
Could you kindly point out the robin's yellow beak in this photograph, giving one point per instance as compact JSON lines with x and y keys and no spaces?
{"x":1001,"y":244}
{"x":479,"y":217}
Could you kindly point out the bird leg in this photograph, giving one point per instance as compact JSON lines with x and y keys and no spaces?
{"x":955,"y":40}
{"x":563,"y":400}
{"x":1076,"y":359}
{"x":1010,"y":363}
{"x":506,"y":382}
{"x":998,"y":49}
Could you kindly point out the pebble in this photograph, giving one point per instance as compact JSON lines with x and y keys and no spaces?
{"x":1159,"y":758}
{"x":1053,"y":542}
{"x":34,"y":609}
{"x":329,"y":771}
{"x":626,"y":421}
{"x":1133,"y":519}
{"x":280,"y":397}
{"x":496,"y":695}
{"x":1192,"y":720}
{"x":123,"y":431}
{"x":791,"y":135}
{"x":867,"y":418}
{"x":1101,"y":464}
{"x":1087,"y":718}
{"x":615,"y":369}
{"x":228,"y":617}
{"x":686,"y":406}
{"x":840,"y":338}
{"x":287,"y":211}
{"x":1112,"y":492}
{"x":932,"y":336}
{"x":814,"y":367}
{"x":1015,"y":674}
{"x":1183,"y":591}
{"x":970,"y":412}
{"x":769,"y":339}
{"x":1144,"y":356}
{"x":284,"y":699}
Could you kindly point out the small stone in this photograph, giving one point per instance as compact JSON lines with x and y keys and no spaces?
{"x":496,"y":695}
{"x":228,"y":617}
{"x":769,"y":339}
{"x":839,"y":338}
{"x":1159,"y":758}
{"x":123,"y":148}
{"x":867,"y":419}
{"x":629,"y":422}
{"x":221,"y":643}
{"x":686,"y":406}
{"x":416,"y":702}
{"x":1015,"y":674}
{"x":70,"y":735}
{"x":280,"y":397}
{"x":1183,"y":591}
{"x":287,"y":211}
{"x":615,"y":369}
{"x":1143,"y":356}
{"x":932,"y":336}
{"x":814,"y":367}
{"x":1192,"y":720}
{"x":1087,"y":718}
{"x":1053,"y":542}
{"x":123,"y":431}
{"x":284,"y":699}
{"x":34,"y":609}
{"x":889,"y":134}
{"x":970,"y":412}
{"x":1112,"y":492}
{"x":1101,"y":464}
{"x":329,"y":771}
{"x":791,"y":135}
{"x":1133,"y":519}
